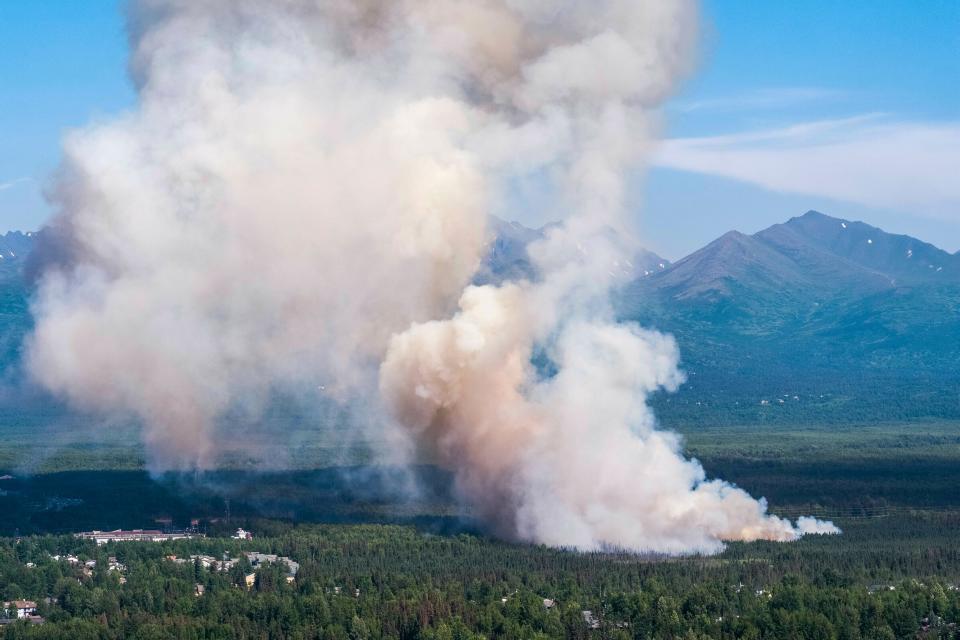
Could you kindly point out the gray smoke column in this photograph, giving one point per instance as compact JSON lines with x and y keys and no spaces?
{"x":301,"y":196}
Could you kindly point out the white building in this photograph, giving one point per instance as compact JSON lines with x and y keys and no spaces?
{"x":135,"y":535}
{"x":24,"y":608}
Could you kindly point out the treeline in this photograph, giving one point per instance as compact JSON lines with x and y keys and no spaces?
{"x":784,"y":393}
{"x":889,"y":580}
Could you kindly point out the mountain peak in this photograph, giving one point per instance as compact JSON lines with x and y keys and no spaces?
{"x":814,"y":214}
{"x":900,"y":259}
{"x":733,"y":236}
{"x":814,"y":220}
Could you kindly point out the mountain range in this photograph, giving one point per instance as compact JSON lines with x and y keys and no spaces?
{"x":817,"y":319}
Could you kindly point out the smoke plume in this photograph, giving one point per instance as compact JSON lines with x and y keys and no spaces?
{"x":300,"y":197}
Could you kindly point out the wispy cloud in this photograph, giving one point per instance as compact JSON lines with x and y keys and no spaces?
{"x":867,"y":159}
{"x":757,"y":99}
{"x":12,"y":183}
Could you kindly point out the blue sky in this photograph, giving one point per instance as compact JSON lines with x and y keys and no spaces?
{"x":852,"y":108}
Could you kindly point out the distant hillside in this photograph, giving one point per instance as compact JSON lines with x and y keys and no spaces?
{"x":814,"y":319}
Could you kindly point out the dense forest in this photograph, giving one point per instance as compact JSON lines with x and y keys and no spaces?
{"x":887,"y":577}
{"x":426,"y":571}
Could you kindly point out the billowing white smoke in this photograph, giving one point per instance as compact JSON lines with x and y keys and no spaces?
{"x":572,"y":460}
{"x":301,"y":195}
